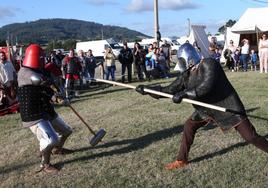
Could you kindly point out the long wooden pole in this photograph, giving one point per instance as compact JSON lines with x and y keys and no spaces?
{"x":166,"y":95}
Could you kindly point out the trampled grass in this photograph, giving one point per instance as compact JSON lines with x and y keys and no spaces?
{"x":143,"y":134}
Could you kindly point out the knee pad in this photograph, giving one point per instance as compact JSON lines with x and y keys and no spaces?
{"x":61,"y":126}
{"x":47,"y":135}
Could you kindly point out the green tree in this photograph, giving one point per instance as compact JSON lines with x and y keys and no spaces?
{"x":68,"y":44}
{"x":54,"y":45}
{"x":3,"y":43}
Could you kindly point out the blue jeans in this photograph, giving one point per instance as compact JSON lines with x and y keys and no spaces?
{"x":110,"y":70}
{"x":244,"y":59}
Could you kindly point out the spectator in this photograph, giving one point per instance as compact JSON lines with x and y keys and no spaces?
{"x":236,"y":60}
{"x":263,"y":54}
{"x":8,"y":80}
{"x":232,"y":49}
{"x":91,"y":64}
{"x":161,"y":63}
{"x":72,"y":69}
{"x":53,"y":68}
{"x":139,"y":61}
{"x":151,"y":64}
{"x":253,"y":60}
{"x":109,"y":64}
{"x":84,"y":75}
{"x":229,"y":59}
{"x":155,"y":45}
{"x":126,"y":58}
{"x":150,"y":48}
{"x":245,"y":54}
{"x":59,"y":56}
{"x":213,"y":46}
{"x":217,"y":55}
{"x":166,"y":49}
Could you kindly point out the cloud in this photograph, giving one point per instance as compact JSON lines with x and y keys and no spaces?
{"x":101,"y":2}
{"x":7,"y":12}
{"x":177,"y":4}
{"x":147,"y":5}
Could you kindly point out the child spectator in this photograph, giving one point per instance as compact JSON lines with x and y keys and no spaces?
{"x":253,"y":60}
{"x":216,"y":55}
{"x":236,"y":60}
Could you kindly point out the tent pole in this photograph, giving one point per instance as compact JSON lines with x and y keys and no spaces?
{"x":257,"y":35}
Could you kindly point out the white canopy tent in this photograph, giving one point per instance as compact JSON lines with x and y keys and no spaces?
{"x":198,"y":35}
{"x":252,"y":21}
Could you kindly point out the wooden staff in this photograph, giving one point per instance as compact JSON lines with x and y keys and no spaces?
{"x":169,"y":96}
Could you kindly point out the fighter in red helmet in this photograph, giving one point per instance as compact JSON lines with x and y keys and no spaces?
{"x":36,"y":110}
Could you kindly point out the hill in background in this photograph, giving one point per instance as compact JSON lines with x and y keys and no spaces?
{"x":45,"y":30}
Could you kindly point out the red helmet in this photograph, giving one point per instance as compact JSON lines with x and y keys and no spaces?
{"x":34,"y":57}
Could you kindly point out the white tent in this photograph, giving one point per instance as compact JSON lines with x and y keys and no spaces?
{"x":252,"y":21}
{"x":198,"y":35}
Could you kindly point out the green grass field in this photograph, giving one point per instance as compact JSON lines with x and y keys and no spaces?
{"x":143,"y":134}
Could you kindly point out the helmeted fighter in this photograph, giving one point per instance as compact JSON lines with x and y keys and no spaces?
{"x":36,"y":109}
{"x":205,"y":81}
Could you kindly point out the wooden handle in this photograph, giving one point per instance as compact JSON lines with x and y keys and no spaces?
{"x":78,"y":115}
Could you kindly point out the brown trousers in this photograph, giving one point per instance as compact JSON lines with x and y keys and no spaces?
{"x":245,"y":129}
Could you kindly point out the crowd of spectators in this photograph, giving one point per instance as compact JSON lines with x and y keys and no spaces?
{"x":243,"y":57}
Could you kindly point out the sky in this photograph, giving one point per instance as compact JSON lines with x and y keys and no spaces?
{"x":174,"y":15}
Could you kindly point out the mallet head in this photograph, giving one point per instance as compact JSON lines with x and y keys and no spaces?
{"x":97,"y":138}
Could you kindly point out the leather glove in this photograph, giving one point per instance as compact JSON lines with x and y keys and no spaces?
{"x":140,"y":89}
{"x":177,"y":98}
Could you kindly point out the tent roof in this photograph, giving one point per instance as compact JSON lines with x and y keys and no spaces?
{"x":253,"y":19}
{"x":199,"y":35}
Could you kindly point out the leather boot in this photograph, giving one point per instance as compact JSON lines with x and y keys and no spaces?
{"x":176,"y":164}
{"x":48,"y":168}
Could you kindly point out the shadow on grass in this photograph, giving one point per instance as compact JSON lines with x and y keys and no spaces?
{"x":253,"y":116}
{"x":133,"y":144}
{"x":221,"y":152}
{"x":6,"y":170}
{"x":252,"y":109}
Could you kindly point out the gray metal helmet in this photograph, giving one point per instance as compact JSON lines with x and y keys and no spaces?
{"x":187,"y":56}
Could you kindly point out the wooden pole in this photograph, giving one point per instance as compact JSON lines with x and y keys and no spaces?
{"x":166,"y":95}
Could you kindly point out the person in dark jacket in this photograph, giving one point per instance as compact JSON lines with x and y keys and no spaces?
{"x":126,"y":58}
{"x":91,"y":64}
{"x":206,"y":82}
{"x":139,"y":61}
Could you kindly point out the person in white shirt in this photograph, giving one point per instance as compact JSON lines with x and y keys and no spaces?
{"x":7,"y":71}
{"x":8,"y":80}
{"x":245,"y":54}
